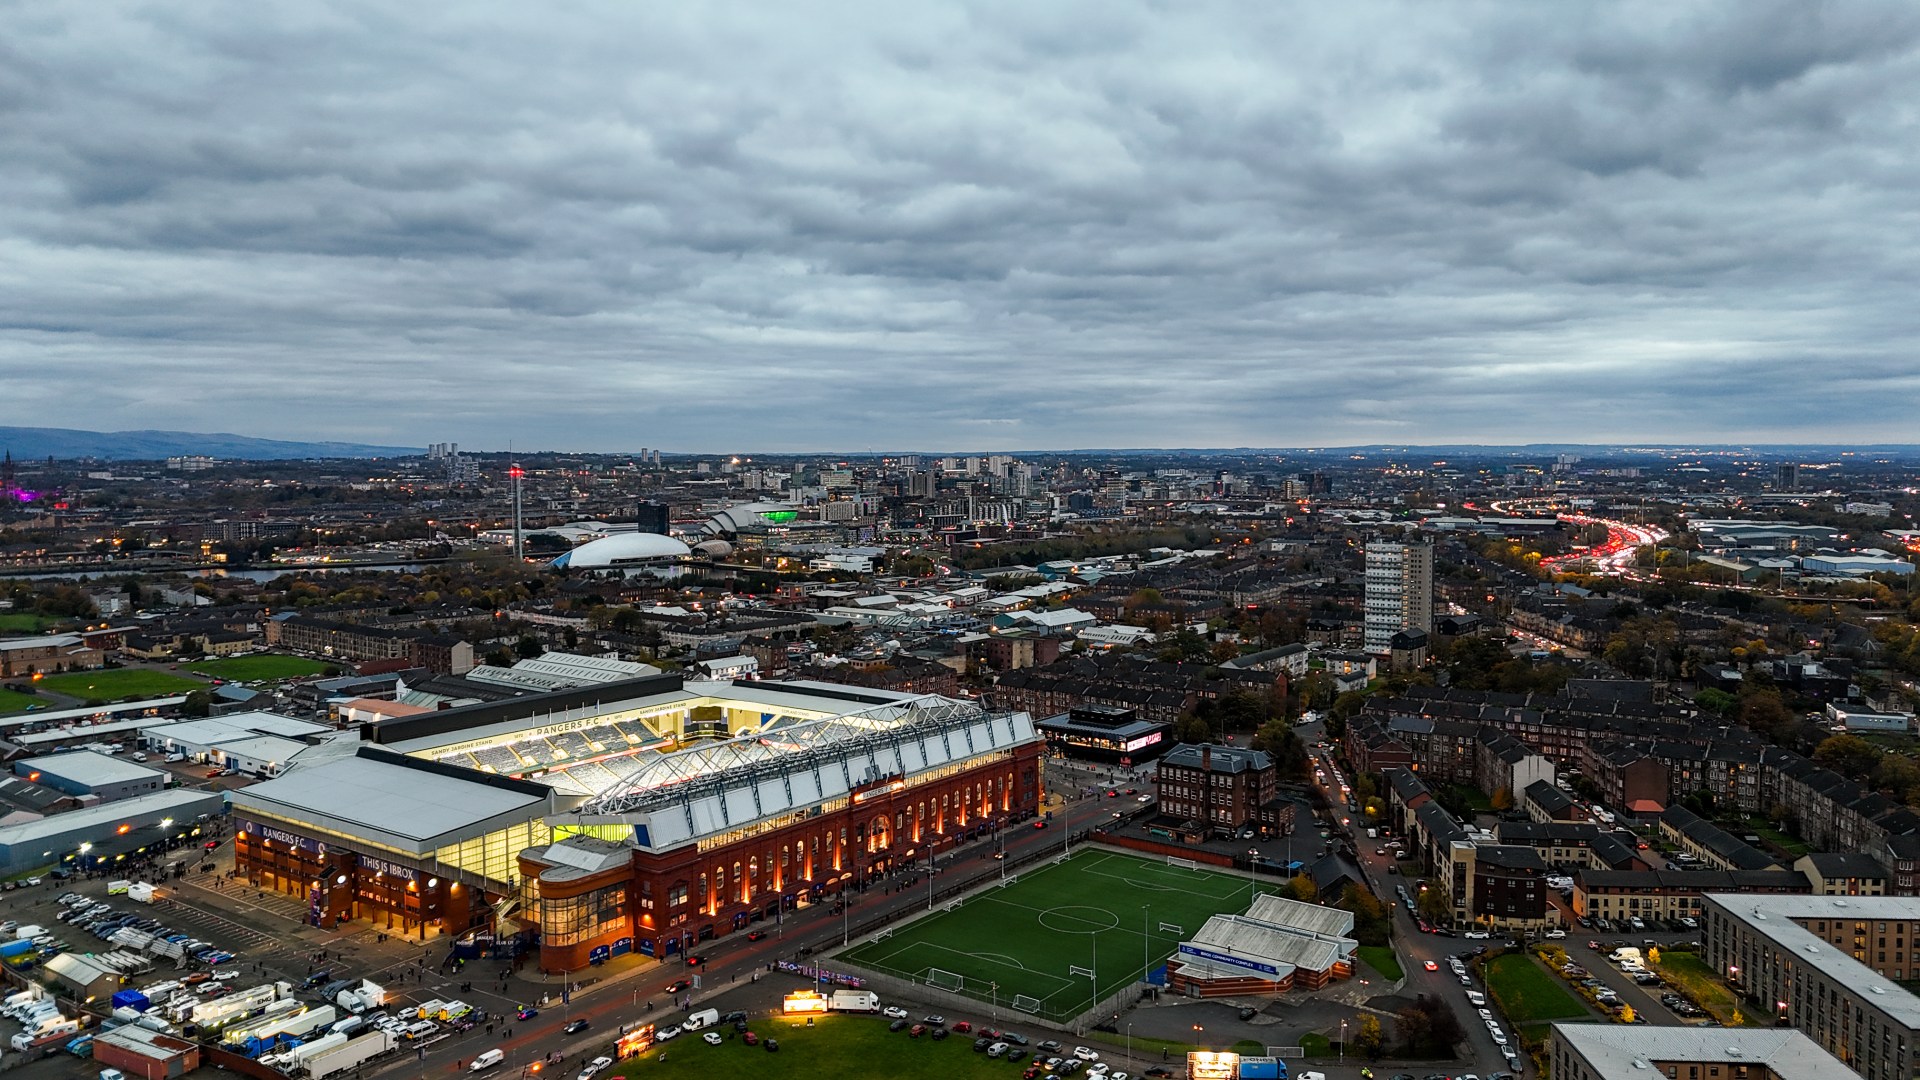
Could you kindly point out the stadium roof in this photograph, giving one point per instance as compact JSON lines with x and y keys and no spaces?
{"x":711,"y":788}
{"x":395,"y":801}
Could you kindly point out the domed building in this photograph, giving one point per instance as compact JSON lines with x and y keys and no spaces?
{"x":749,"y":518}
{"x":622,"y":549}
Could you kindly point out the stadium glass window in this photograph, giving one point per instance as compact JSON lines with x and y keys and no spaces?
{"x":581,"y":918}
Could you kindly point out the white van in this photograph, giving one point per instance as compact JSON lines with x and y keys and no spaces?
{"x":487,"y":1061}
{"x":139,"y":755}
{"x":700,"y":1018}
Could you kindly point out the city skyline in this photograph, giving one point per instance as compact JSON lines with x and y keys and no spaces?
{"x":1085,"y":226}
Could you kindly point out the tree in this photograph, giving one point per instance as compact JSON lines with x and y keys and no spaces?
{"x":1653,"y":954}
{"x":1369,"y":1039}
{"x":1848,"y":755}
{"x":1766,"y":714}
{"x":1626,"y":1014}
{"x":1502,"y":798}
{"x":528,"y":647}
{"x":1302,"y":888}
{"x":1717,"y":702}
{"x":198,"y":703}
{"x":1435,"y":905}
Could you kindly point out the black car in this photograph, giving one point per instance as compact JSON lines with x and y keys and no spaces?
{"x":897,"y":1025}
{"x":1015,"y":1038}
{"x":733,"y":1017}
{"x":678,"y":985}
{"x":1016,"y":1054}
{"x":1050,"y":1047}
{"x":939,"y":1033}
{"x":318,"y":978}
{"x":980,"y":1045}
{"x":575,"y":1027}
{"x":1248,"y":1012}
{"x":772,"y":1045}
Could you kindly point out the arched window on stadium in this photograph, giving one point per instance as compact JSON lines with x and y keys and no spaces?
{"x":878,"y":835}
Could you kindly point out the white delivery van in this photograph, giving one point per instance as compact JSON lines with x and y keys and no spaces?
{"x":700,"y":1018}
{"x":487,"y":1060}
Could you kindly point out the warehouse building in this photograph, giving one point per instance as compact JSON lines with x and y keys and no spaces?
{"x":104,"y":777}
{"x":651,"y":813}
{"x":103,"y":835}
{"x":1278,"y":945}
{"x":256,"y":743}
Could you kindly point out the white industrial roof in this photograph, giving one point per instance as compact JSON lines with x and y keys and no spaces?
{"x":1237,"y":935}
{"x":1328,"y":922}
{"x":152,"y":805}
{"x":1628,"y":1053}
{"x":263,"y":748}
{"x":218,"y":729}
{"x":90,"y":767}
{"x":55,"y":716}
{"x":408,"y":809}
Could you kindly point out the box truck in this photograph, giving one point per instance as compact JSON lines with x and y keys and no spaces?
{"x":351,"y":1055}
{"x":854,"y":1001}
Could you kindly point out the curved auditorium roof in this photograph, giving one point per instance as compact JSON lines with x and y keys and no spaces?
{"x":749,"y":517}
{"x":622,"y":548}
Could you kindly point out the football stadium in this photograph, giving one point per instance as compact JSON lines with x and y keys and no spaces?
{"x":645,"y":815}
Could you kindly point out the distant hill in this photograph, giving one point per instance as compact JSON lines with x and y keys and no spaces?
{"x":27,"y":443}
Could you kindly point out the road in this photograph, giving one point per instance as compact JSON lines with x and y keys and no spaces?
{"x":1416,"y":949}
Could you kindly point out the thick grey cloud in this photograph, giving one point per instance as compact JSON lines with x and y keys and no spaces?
{"x":763,"y":227}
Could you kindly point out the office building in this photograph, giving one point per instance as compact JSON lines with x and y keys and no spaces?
{"x":1399,"y":583}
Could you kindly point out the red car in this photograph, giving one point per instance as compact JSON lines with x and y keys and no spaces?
{"x":211,"y":773}
{"x":963,"y":1027}
{"x":1039,"y":824}
{"x":695,"y":961}
{"x":756,"y":935}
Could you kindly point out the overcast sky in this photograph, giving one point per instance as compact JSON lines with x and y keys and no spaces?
{"x":941,"y":226}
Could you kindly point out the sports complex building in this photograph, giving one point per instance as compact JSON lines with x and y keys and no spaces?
{"x":644,"y":815}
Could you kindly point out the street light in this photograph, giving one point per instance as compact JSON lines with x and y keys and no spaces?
{"x":1343,"y":1042}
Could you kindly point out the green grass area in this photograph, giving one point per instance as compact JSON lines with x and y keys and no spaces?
{"x":1381,"y":958}
{"x":1527,"y":993}
{"x":1765,"y":830}
{"x":838,"y":1046}
{"x":258,"y":668}
{"x":1315,"y":1045}
{"x":13,"y":702}
{"x":117,"y":683}
{"x":1691,"y":976}
{"x":1089,"y":912}
{"x":24,"y":622}
{"x":1468,"y":798}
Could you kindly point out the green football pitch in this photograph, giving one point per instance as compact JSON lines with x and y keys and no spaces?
{"x":1030,"y":944}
